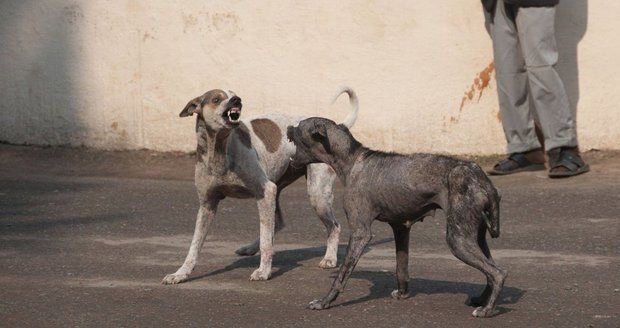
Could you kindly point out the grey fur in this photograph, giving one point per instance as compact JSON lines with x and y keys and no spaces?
{"x":401,"y":190}
{"x":232,"y":161}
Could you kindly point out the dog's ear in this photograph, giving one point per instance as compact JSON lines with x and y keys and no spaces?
{"x":192,"y":107}
{"x":319,"y":134}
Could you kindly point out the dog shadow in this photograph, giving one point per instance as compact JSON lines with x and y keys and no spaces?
{"x":384,"y":282}
{"x":285,"y":260}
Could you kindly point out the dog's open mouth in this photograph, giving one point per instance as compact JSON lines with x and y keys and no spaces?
{"x":232,"y":115}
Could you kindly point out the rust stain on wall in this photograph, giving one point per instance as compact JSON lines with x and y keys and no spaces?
{"x":481,"y":82}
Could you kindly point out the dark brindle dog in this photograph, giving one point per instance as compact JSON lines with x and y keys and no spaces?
{"x":400,"y":190}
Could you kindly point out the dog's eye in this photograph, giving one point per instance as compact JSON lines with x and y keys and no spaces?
{"x":216,"y":100}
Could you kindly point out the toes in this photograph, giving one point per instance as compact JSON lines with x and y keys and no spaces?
{"x":317,"y":305}
{"x":398,"y":295}
{"x":172,"y":279}
{"x":327,"y":264}
{"x":259,"y":275}
{"x":483,"y":312}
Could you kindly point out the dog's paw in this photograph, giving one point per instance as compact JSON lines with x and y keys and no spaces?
{"x":247,"y":250}
{"x":483,"y":312}
{"x":174,"y":278}
{"x":327,"y":263}
{"x":398,"y":295}
{"x":259,"y":275}
{"x":318,"y":305}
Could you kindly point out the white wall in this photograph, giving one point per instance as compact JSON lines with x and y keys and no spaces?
{"x":115,"y":74}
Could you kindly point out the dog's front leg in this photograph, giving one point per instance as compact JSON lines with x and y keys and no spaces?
{"x":252,"y":248}
{"x":360,"y":237}
{"x":266,"y":213}
{"x":205,"y":216}
{"x":401,"y":238}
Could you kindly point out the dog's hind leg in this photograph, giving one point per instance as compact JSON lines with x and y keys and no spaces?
{"x":466,"y":233}
{"x":401,"y":238}
{"x":320,"y":182}
{"x":482,"y":243}
{"x":205,"y":216}
{"x":464,"y":246}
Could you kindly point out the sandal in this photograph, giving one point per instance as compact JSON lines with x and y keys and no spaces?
{"x":517,"y":162}
{"x":567,"y":164}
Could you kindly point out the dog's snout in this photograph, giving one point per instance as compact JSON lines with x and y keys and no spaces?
{"x":235,"y":100}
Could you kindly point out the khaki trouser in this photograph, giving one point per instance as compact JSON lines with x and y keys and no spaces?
{"x":525,"y":53}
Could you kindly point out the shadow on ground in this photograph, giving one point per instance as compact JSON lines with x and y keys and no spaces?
{"x":382,"y":282}
{"x":285,"y":260}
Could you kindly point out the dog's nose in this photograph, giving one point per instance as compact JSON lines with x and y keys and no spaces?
{"x":235,"y":100}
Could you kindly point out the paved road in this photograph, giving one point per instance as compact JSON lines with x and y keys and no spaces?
{"x":86,"y":236}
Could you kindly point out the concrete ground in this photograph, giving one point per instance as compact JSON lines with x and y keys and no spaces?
{"x":86,"y":237}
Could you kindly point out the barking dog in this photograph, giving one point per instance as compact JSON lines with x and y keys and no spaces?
{"x":250,"y":158}
{"x":401,"y":190}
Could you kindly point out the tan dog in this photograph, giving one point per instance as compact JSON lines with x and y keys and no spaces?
{"x":244,"y":158}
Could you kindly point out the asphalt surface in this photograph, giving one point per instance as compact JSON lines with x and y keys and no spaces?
{"x":86,"y":237}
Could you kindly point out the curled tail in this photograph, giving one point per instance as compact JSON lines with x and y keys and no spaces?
{"x":355,"y":106}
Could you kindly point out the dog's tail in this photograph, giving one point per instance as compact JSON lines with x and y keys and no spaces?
{"x":492,"y":222}
{"x":355,"y":106}
{"x":491,"y":199}
{"x":469,"y":180}
{"x":491,"y":213}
